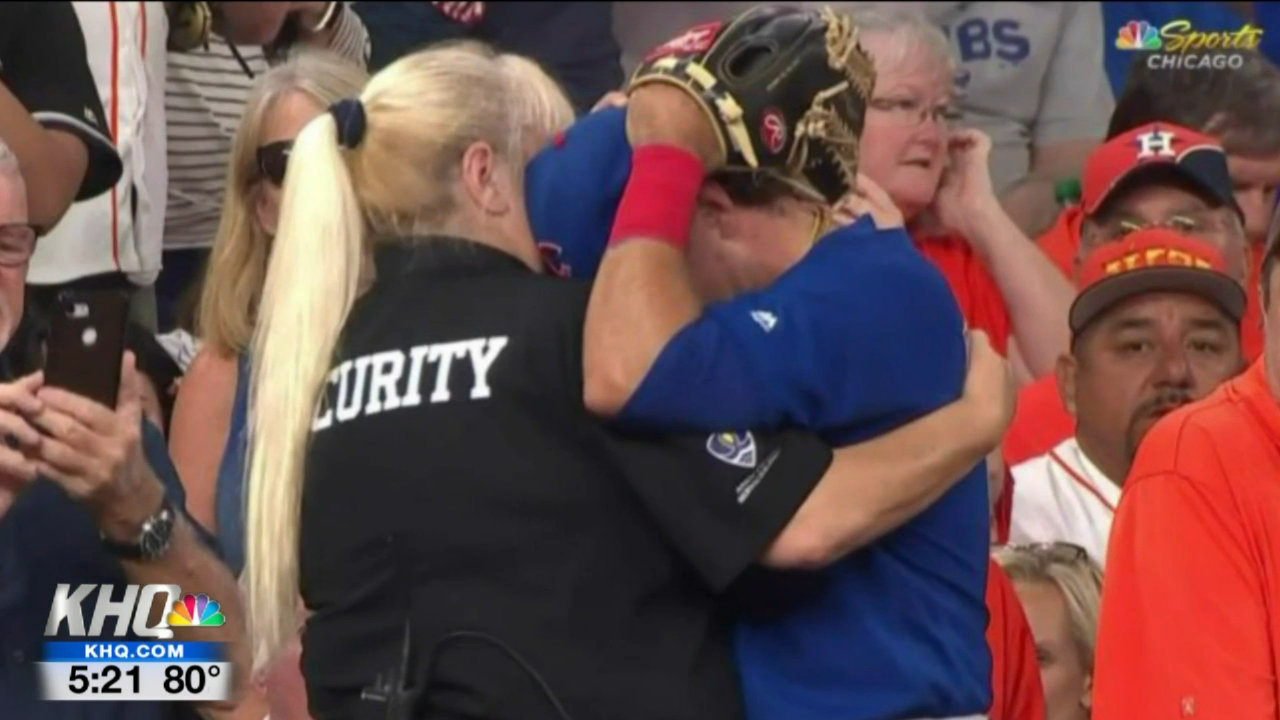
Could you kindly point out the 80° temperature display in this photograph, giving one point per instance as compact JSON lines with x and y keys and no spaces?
{"x":191,"y":681}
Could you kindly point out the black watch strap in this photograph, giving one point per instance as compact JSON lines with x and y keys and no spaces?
{"x":153,"y":537}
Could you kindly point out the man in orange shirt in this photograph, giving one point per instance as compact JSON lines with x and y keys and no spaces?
{"x":1190,"y":624}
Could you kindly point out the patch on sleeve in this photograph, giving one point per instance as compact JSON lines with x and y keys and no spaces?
{"x":734,"y":448}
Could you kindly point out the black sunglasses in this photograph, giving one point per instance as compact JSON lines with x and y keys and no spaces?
{"x":1055,"y":552}
{"x":273,"y":161}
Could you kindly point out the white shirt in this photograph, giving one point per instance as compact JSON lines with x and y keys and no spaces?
{"x":1063,"y":496}
{"x":125,"y":48}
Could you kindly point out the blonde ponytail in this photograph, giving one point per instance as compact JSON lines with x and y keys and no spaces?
{"x":418,"y":117}
{"x":312,"y":281}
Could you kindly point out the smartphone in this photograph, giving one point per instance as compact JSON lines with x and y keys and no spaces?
{"x":85,"y":349}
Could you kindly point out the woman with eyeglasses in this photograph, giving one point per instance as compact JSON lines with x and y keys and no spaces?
{"x":1060,"y":589}
{"x":940,"y":180}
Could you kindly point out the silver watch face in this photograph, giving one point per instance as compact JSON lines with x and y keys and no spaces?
{"x":156,"y":533}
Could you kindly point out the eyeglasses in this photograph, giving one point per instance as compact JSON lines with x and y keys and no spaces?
{"x":17,"y":242}
{"x":273,"y":161}
{"x":912,"y":111}
{"x":1202,"y":225}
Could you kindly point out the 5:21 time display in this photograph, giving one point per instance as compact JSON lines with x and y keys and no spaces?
{"x":110,"y":680}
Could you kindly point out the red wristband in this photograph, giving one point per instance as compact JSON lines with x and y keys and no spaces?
{"x":661,"y":196}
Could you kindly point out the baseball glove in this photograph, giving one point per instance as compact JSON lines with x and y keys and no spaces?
{"x":786,"y":90}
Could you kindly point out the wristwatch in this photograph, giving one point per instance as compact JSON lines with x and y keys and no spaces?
{"x":153,"y":539}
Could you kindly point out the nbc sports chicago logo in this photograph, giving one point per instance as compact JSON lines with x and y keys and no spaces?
{"x":1177,"y":45}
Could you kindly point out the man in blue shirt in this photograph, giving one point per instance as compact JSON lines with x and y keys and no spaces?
{"x":854,"y":337}
{"x":87,"y":493}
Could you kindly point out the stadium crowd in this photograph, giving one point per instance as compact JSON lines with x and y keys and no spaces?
{"x":1099,"y":215}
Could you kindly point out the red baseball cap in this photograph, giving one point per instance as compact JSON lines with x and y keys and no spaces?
{"x":1118,"y":162}
{"x":1153,"y":260}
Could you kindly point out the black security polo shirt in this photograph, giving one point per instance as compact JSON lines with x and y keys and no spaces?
{"x":42,"y":62}
{"x":456,"y":487}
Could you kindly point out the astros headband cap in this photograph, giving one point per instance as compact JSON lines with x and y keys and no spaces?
{"x":1153,"y":260}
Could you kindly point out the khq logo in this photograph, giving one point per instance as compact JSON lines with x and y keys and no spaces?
{"x":137,"y":603}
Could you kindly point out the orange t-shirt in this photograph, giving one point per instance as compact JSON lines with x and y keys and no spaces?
{"x":1251,"y":326}
{"x":1016,"y":693}
{"x":1040,"y":421}
{"x":976,"y":292}
{"x":1062,"y":241}
{"x":1190,"y":620}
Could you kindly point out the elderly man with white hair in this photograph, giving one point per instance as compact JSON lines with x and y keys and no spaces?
{"x":87,"y":497}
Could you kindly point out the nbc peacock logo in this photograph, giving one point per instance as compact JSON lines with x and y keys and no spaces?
{"x":197,"y":610}
{"x":1138,"y":35}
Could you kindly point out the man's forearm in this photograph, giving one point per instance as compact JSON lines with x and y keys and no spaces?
{"x":1034,"y":291}
{"x":53,"y":163}
{"x":191,"y":566}
{"x":876,"y":486}
{"x":641,"y":298}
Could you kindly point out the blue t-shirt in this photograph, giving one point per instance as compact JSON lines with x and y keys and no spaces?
{"x":862,"y":336}
{"x":46,"y":538}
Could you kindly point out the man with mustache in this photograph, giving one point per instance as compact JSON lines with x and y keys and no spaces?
{"x":1155,"y":175}
{"x":1156,"y":327}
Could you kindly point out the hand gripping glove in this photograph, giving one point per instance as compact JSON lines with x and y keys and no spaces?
{"x":786,"y":90}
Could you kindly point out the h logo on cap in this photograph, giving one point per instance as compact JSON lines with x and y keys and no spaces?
{"x":1156,"y":142}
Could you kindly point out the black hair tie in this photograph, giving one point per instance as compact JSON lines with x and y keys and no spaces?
{"x":349,"y":113}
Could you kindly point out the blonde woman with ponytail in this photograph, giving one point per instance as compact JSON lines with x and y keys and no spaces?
{"x":429,"y":500}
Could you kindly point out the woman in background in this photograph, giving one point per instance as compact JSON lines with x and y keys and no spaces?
{"x":208,"y":436}
{"x":1060,"y":589}
{"x":206,"y":439}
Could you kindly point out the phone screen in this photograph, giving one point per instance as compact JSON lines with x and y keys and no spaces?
{"x":86,"y":344}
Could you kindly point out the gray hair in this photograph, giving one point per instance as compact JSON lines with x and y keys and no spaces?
{"x":908,"y":30}
{"x":1238,"y":102}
